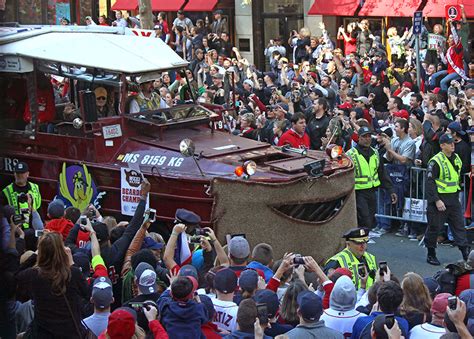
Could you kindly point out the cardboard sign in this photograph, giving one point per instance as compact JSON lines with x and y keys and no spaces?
{"x":453,"y":12}
{"x":131,"y":180}
{"x":435,"y":40}
{"x":415,"y":209}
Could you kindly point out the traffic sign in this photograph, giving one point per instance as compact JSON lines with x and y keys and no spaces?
{"x":453,"y":12}
{"x":417,"y":22}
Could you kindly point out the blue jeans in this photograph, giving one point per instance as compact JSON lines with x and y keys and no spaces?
{"x":435,"y":76}
{"x":447,"y":80}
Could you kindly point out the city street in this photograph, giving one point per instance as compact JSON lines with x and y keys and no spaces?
{"x":403,"y":255}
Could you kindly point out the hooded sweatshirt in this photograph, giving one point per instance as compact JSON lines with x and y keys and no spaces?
{"x":182,"y":319}
{"x":341,"y":314}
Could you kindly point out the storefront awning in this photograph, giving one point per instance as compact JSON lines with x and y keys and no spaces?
{"x":435,"y":8}
{"x":334,"y":7}
{"x":200,"y":5}
{"x":125,"y":5}
{"x":166,"y":5}
{"x":392,"y":8}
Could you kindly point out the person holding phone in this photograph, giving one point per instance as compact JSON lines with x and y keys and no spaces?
{"x":354,"y":254}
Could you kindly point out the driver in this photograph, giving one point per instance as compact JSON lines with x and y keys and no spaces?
{"x":104,"y":109}
{"x":146,"y":99}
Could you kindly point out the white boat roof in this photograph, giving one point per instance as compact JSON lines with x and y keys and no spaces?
{"x":113,"y":49}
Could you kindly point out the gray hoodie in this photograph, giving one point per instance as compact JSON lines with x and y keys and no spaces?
{"x":343,"y":296}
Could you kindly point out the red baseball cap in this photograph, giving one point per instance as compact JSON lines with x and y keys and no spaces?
{"x":121,"y":324}
{"x":403,"y":113}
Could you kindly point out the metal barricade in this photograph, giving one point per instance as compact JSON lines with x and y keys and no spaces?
{"x":413,"y":207}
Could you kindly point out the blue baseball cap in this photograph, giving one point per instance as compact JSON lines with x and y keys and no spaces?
{"x":151,"y":244}
{"x":456,"y":127}
{"x":310,"y":305}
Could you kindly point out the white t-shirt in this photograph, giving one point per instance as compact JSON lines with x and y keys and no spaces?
{"x":427,"y":331}
{"x":341,"y":321}
{"x":226,"y":314}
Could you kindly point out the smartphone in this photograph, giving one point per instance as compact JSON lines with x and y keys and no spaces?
{"x":390,"y":320}
{"x":238,"y":235}
{"x":453,"y":302}
{"x":152,"y":215}
{"x":383,"y":266}
{"x":18,"y":219}
{"x":201,"y":231}
{"x":39,"y":233}
{"x":83,"y":220}
{"x":361,"y":270}
{"x":262,"y":313}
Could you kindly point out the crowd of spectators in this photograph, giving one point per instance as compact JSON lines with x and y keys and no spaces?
{"x":88,"y":276}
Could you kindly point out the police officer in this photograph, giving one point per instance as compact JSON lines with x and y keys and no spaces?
{"x":354,"y":254}
{"x":21,"y":193}
{"x":369,"y":175}
{"x":442,"y":194}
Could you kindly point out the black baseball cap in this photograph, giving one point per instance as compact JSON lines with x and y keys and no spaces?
{"x":364,"y":130}
{"x":446,"y":139}
{"x":21,"y":167}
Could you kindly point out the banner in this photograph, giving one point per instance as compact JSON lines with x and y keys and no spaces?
{"x":435,"y":40}
{"x":415,"y":209}
{"x":131,"y":180}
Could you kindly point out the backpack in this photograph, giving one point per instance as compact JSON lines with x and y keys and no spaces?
{"x":447,"y":278}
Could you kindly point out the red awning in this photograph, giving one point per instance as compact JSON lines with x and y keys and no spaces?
{"x":392,"y":8}
{"x":435,"y":8}
{"x":125,"y":5}
{"x":166,"y":5}
{"x":200,"y":5}
{"x":334,"y":7}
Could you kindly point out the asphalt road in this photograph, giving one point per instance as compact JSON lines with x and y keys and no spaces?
{"x":403,"y":255}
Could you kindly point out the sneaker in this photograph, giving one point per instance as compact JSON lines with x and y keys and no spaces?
{"x":401,"y":233}
{"x":413,"y":237}
{"x":371,"y":241}
{"x":373,"y":234}
{"x":376,"y":229}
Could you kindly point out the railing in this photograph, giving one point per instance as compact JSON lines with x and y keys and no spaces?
{"x":413,"y":206}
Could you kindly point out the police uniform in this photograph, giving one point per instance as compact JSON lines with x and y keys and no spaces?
{"x":442,"y":183}
{"x":12,"y":195}
{"x":369,"y":174}
{"x":347,"y":259}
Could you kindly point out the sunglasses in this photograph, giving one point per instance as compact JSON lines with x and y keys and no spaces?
{"x":101,"y":98}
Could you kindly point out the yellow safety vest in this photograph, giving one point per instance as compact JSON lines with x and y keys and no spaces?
{"x":366,"y":174}
{"x":448,"y":181}
{"x":12,"y":197}
{"x":348,"y":260}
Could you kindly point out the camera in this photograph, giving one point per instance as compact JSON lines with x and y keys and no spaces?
{"x":151,"y":215}
{"x":453,"y":302}
{"x":39,"y":233}
{"x":83,"y":220}
{"x":298,"y":260}
{"x":201,"y":231}
{"x":196,"y":239}
{"x":23,"y":198}
{"x":18,"y":219}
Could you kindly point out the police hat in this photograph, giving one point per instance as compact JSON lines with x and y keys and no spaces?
{"x":446,"y":139}
{"x":187,"y":217}
{"x":357,"y":235}
{"x":21,"y":167}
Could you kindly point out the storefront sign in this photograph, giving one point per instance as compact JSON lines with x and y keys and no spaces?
{"x":131,"y":180}
{"x":415,"y":209}
{"x":435,"y":40}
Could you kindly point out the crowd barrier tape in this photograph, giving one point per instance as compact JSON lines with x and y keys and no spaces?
{"x":413,"y":206}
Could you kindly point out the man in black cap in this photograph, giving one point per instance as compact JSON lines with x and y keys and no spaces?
{"x":23,"y":195}
{"x":219,"y":25}
{"x":442,"y":194}
{"x":369,"y":175}
{"x":354,"y":254}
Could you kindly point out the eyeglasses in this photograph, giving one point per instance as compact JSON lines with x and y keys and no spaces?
{"x":101,"y":98}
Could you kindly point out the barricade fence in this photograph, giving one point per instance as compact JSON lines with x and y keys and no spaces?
{"x":410,"y":184}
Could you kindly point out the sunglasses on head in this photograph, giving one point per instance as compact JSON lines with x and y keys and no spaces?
{"x":101,"y":98}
